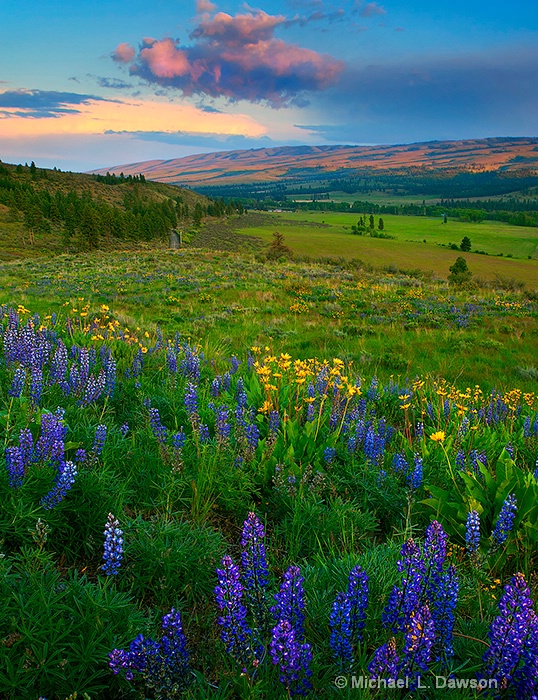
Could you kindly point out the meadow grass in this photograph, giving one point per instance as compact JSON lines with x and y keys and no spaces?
{"x":389,"y":324}
{"x":330,"y":235}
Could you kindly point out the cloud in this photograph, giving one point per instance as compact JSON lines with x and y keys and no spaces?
{"x":42,"y":104}
{"x":370,"y":9}
{"x":113,"y":83}
{"x":204,"y":6}
{"x":207,"y":142}
{"x":124,"y":53}
{"x":236,"y":57}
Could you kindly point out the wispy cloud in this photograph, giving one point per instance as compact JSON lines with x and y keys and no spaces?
{"x":220,"y":142}
{"x":368,"y":9}
{"x":42,"y":104}
{"x":237,"y":57}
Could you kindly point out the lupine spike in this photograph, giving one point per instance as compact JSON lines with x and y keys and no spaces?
{"x":472,"y":533}
{"x":290,"y":601}
{"x":385,"y":662}
{"x":255,"y":571}
{"x":419,"y":636}
{"x":505,"y":521}
{"x":341,"y":631}
{"x":113,"y":546}
{"x":292,"y":657}
{"x":510,"y":633}
{"x":235,"y":634}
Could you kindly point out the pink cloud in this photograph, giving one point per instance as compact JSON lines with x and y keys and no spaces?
{"x":165,"y":60}
{"x":124,"y":53}
{"x":237,"y":57}
{"x":204,"y":6}
{"x":239,"y":30}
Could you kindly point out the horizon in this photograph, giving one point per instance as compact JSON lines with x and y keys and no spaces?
{"x":99,"y":86}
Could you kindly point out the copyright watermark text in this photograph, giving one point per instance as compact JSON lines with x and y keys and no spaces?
{"x":415,"y":682}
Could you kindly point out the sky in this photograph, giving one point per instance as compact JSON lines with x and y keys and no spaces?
{"x":96,"y":83}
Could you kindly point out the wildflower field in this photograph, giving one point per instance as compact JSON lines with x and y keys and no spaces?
{"x":229,"y":478}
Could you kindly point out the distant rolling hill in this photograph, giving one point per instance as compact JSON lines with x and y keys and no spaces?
{"x":294,"y":162}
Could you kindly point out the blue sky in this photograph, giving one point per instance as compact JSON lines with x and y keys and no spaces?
{"x":91,"y":84}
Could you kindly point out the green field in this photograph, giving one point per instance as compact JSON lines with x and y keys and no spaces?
{"x":205,"y":448}
{"x":319,"y":234}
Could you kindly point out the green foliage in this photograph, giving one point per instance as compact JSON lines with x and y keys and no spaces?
{"x":459,"y":273}
{"x":485,"y":491}
{"x":278,"y":249}
{"x":56,"y":630}
{"x":465,"y":244}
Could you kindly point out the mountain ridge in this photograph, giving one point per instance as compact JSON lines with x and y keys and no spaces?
{"x":282,"y":163}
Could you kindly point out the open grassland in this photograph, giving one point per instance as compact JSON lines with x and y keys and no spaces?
{"x":387,"y":324}
{"x":319,"y":234}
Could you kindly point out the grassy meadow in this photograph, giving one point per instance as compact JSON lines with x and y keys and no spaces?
{"x":233,"y":477}
{"x":419,"y":243}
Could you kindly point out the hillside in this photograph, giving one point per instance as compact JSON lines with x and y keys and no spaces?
{"x":50,"y":211}
{"x":510,"y":155}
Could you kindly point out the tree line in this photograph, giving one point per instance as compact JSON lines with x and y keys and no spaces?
{"x":86,"y":220}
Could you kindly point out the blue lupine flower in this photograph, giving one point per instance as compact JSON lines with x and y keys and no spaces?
{"x":179,"y":439}
{"x":340,"y":623}
{"x":15,"y":466}
{"x":505,"y":521}
{"x":171,"y":360}
{"x":26,"y":443}
{"x":252,"y":435}
{"x":526,"y":676}
{"x":191,"y":402}
{"x":405,"y":599}
{"x":274,"y":423}
{"x":215,"y":387}
{"x":435,"y":545}
{"x":17,"y":385}
{"x":110,"y":375}
{"x":414,"y":478}
{"x":385,"y":662}
{"x":460,"y":461}
{"x":472,"y":532}
{"x":124,"y":429}
{"x":36,"y":386}
{"x":163,"y":666}
{"x":203,"y":431}
{"x":99,"y":440}
{"x":399,"y":463}
{"x":235,"y":634}
{"x":442,"y":608}
{"x":357,"y":593}
{"x":419,"y":636}
{"x":173,"y":650}
{"x":255,"y":571}
{"x":222,"y":426}
{"x":157,"y":428}
{"x":419,"y":430}
{"x":292,"y":657}
{"x":235,"y":364}
{"x":290,"y":601}
{"x":64,"y":481}
{"x":509,"y":633}
{"x":93,"y":388}
{"x":329,"y":453}
{"x":113,"y":546}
